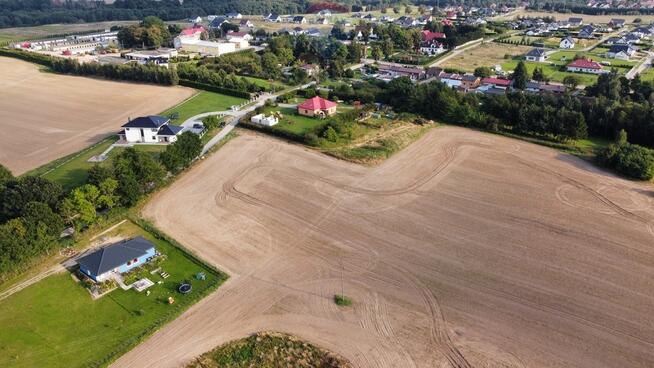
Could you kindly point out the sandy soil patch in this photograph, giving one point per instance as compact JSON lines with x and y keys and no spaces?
{"x":489,"y":54}
{"x":464,"y":250}
{"x":46,"y":116}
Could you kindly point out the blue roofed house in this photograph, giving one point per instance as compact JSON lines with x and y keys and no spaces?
{"x":150,"y":129}
{"x":118,"y":258}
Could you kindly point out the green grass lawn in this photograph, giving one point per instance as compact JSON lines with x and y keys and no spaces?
{"x":294,"y":123}
{"x":566,"y":57}
{"x":551,"y":71}
{"x":55,"y":323}
{"x":266,"y":84}
{"x":73,"y":172}
{"x":647,"y":75}
{"x":201,"y":103}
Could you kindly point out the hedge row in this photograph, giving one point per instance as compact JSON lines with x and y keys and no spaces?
{"x":244,"y":123}
{"x":210,"y":88}
{"x":32,"y":57}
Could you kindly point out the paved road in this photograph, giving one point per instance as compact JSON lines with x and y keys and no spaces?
{"x":237,"y":115}
{"x":639,"y":69}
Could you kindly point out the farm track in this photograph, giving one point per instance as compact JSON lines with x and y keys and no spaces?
{"x":464,"y":250}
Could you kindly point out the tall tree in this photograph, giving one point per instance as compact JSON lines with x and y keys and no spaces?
{"x":520,"y":76}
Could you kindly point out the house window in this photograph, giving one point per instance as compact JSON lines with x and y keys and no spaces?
{"x":154,"y":138}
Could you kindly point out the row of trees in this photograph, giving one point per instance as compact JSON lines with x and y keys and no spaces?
{"x":35,"y":210}
{"x":220,"y":78}
{"x":147,"y":73}
{"x":629,"y":159}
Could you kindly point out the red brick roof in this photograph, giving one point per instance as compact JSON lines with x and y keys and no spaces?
{"x":317,"y":103}
{"x":429,"y":35}
{"x":585,"y":63}
{"x":496,"y":81}
{"x":193,"y":30}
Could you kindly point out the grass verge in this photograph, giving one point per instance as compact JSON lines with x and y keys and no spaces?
{"x":55,"y":323}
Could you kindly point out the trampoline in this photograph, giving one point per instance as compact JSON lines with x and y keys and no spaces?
{"x":184,"y":288}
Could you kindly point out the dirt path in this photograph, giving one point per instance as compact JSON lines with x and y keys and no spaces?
{"x":464,"y":250}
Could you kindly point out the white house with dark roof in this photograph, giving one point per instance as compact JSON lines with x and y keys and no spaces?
{"x":623,"y":52}
{"x":234,"y":15}
{"x":150,"y":129}
{"x":118,"y":258}
{"x":537,"y":54}
{"x":567,"y":43}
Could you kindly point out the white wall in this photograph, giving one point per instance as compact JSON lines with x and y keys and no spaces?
{"x":134,"y":135}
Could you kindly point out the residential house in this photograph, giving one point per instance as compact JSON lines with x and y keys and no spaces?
{"x":246,"y":23}
{"x":262,"y":119}
{"x":317,"y":106}
{"x":102,"y":264}
{"x":452,"y":80}
{"x":234,"y":15}
{"x":615,"y":41}
{"x":575,"y":22}
{"x":386,"y":19}
{"x":536,"y":54}
{"x":325,"y":13}
{"x":616,"y":23}
{"x":586,"y":32}
{"x":217,"y":22}
{"x":192,"y":33}
{"x":632,"y":38}
{"x":567,"y":43}
{"x":299,"y":19}
{"x":322,"y":21}
{"x":469,"y":82}
{"x":150,"y":129}
{"x":428,"y":36}
{"x":432,"y":48}
{"x":313,"y":32}
{"x":273,"y":18}
{"x":494,"y":82}
{"x":585,"y":66}
{"x":392,"y":71}
{"x":238,"y":35}
{"x":622,"y":52}
{"x":311,"y":69}
{"x":369,"y":18}
{"x":195,"y":19}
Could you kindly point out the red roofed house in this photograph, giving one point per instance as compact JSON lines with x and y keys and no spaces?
{"x":317,"y":106}
{"x":585,"y":66}
{"x":192,"y":30}
{"x":496,"y":82}
{"x":428,"y":36}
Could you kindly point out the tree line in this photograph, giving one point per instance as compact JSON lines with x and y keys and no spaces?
{"x":34,"y":210}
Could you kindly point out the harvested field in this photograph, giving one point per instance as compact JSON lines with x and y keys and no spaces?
{"x":489,"y":54}
{"x":46,"y":116}
{"x":464,"y":250}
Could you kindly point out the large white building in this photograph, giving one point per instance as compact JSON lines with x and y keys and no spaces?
{"x":150,"y":129}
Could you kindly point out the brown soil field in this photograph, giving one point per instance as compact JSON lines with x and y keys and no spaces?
{"x":488,"y":54}
{"x":46,"y":116}
{"x":464,"y":250}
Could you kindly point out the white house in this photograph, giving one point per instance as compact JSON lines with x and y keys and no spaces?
{"x":585,"y":66}
{"x":432,"y":48}
{"x":150,"y":129}
{"x":238,"y":35}
{"x":246,"y":23}
{"x":536,"y":54}
{"x":195,"y":19}
{"x":299,"y":19}
{"x":325,"y":13}
{"x":623,"y":52}
{"x":234,"y":15}
{"x":274,"y":18}
{"x":567,"y":43}
{"x":262,"y":119}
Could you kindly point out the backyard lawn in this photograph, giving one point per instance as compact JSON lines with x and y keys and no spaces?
{"x":55,"y":323}
{"x":551,"y":71}
{"x":268,"y":86}
{"x":201,"y":103}
{"x":294,"y":123}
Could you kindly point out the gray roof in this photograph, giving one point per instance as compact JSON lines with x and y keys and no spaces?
{"x":152,"y":121}
{"x":115,"y":255}
{"x":170,"y":130}
{"x":536,"y":52}
{"x":619,"y":48}
{"x":217,"y":22}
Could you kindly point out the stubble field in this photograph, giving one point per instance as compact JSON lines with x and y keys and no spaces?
{"x":46,"y":116}
{"x":464,"y":250}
